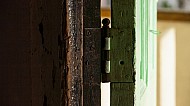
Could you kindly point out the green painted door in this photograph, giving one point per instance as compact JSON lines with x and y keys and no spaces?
{"x":145,"y":53}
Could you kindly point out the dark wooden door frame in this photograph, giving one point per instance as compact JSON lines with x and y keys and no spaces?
{"x":50,"y":53}
{"x":83,"y":46}
{"x":74,"y":54}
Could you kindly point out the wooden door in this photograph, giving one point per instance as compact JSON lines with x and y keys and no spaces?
{"x":50,"y":53}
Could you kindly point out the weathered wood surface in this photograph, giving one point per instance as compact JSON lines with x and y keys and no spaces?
{"x":92,"y":66}
{"x":74,"y":45}
{"x":42,"y":53}
{"x":122,"y":52}
{"x":92,"y":53}
{"x":30,"y":67}
{"x":122,"y":40}
{"x":46,"y":22}
{"x":91,"y":16}
{"x":123,"y":94}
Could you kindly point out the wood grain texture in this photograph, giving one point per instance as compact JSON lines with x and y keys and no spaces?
{"x":42,"y":53}
{"x":30,"y":72}
{"x":46,"y":27}
{"x":122,"y":14}
{"x":92,"y":66}
{"x":74,"y":53}
{"x":122,"y":41}
{"x":91,"y":16}
{"x":122,"y":52}
{"x":122,"y":55}
{"x":122,"y":94}
{"x":92,"y":53}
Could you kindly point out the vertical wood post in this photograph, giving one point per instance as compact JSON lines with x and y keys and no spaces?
{"x":92,"y":53}
{"x":74,"y":48}
{"x":122,"y":52}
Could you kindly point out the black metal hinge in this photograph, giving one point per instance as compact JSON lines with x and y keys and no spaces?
{"x":105,"y":33}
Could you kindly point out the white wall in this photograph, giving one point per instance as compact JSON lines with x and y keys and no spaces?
{"x":182,"y":60}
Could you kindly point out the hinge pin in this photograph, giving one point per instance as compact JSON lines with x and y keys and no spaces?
{"x":106,"y":44}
